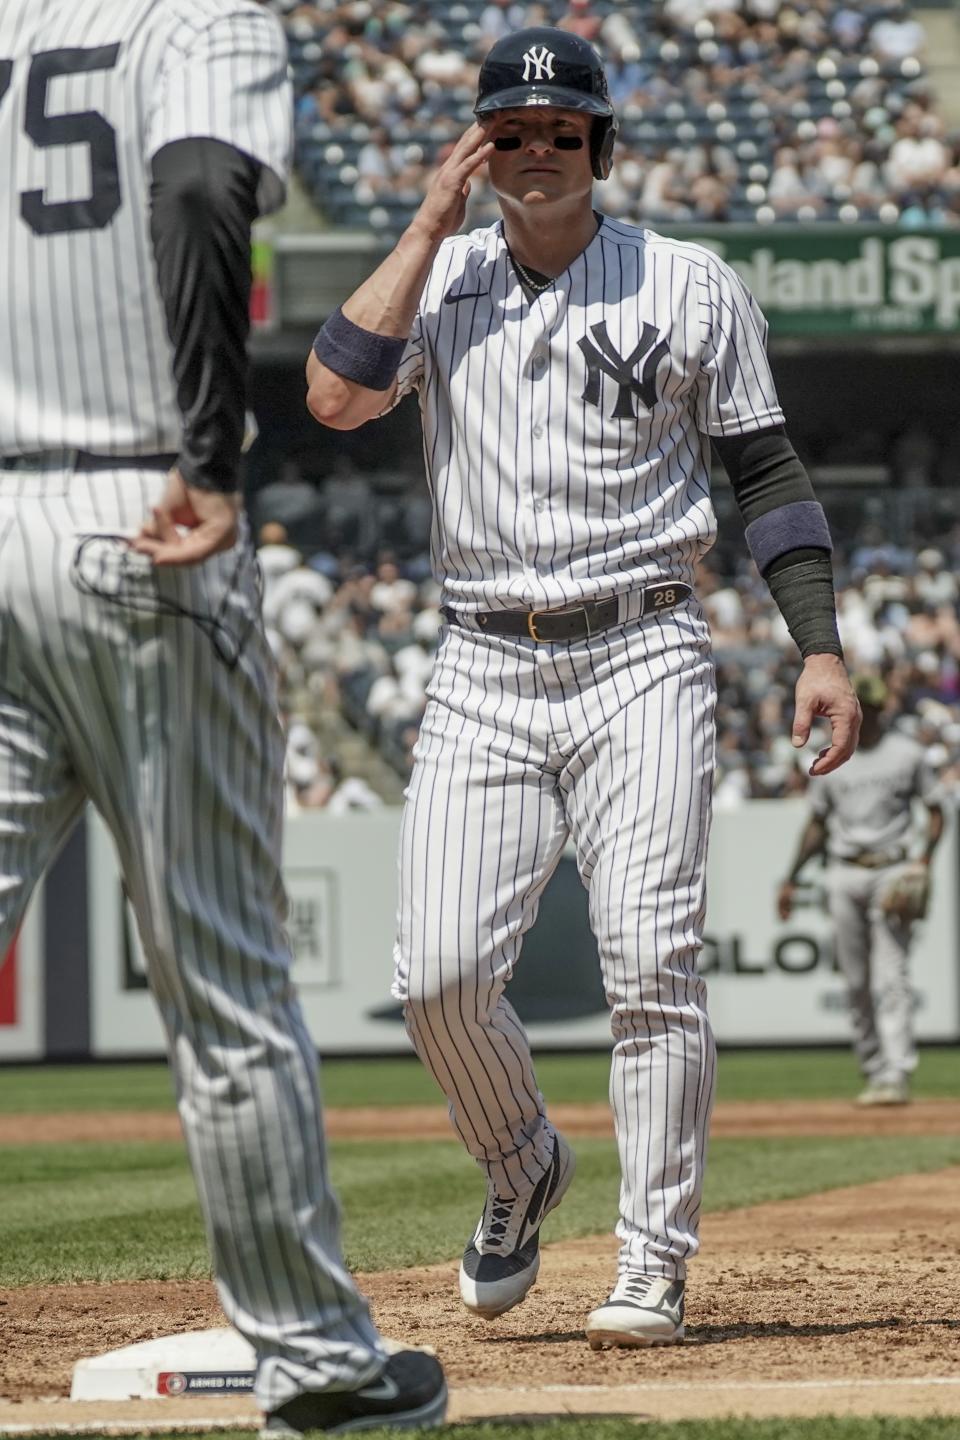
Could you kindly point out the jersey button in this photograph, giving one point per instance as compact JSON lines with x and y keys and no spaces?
{"x":539,"y":360}
{"x":538,"y":431}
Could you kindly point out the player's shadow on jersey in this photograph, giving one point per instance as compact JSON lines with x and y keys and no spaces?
{"x":476,"y":306}
{"x":474,"y":309}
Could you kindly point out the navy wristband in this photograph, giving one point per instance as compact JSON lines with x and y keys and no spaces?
{"x":800,"y":525}
{"x":369,"y":359}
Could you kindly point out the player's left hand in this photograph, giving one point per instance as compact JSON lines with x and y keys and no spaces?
{"x":824,"y":689}
{"x":188,"y":525}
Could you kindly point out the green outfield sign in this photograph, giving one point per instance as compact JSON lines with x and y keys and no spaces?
{"x":856,"y":282}
{"x":846,"y":280}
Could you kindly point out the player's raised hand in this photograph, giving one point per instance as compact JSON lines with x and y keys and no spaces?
{"x":445,"y":203}
{"x":188,"y":525}
{"x":824,"y":689}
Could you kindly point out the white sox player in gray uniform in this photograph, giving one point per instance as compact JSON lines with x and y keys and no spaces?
{"x":862,"y":819}
{"x":570,"y":371}
{"x":138,"y":141}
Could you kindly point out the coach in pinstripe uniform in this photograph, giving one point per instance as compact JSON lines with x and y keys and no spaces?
{"x":138,"y":141}
{"x":572,"y":372}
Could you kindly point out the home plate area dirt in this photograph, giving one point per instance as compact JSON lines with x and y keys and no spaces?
{"x":842,"y":1302}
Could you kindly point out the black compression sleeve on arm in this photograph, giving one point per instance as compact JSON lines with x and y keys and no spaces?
{"x":767,"y":475}
{"x":203,"y":201}
{"x":803,"y":592}
{"x":765,"y":471}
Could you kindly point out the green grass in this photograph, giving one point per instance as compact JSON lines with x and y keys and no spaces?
{"x":108,"y":1212}
{"x":123,"y":1212}
{"x":743,"y":1075}
{"x":822,"y":1427}
{"x":41,"y":1089}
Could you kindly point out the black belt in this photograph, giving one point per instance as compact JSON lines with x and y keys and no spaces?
{"x":575,"y":622}
{"x":85,"y":460}
{"x":873,"y":859}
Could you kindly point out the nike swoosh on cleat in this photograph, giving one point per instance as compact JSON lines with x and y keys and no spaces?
{"x":382,"y":1389}
{"x":533,"y":1222}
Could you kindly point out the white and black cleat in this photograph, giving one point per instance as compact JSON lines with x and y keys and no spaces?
{"x":643,"y":1310}
{"x":500,"y":1264}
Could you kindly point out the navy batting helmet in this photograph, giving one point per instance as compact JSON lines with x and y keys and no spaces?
{"x":544,"y":66}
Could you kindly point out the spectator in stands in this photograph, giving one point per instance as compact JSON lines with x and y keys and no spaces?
{"x":688,"y":13}
{"x":499,"y":18}
{"x":663,"y":196}
{"x":328,"y":97}
{"x":365,"y":643}
{"x":727,"y":108}
{"x":391,"y":592}
{"x":918,"y":157}
{"x":334,"y":792}
{"x":709,"y":198}
{"x":294,"y":601}
{"x":848,"y":27}
{"x":626,"y":75}
{"x":274,"y":551}
{"x":444,"y":65}
{"x":935,"y":581}
{"x":756,"y":71}
{"x":349,"y":509}
{"x":580,"y":20}
{"x":897,"y":35}
{"x":378,"y":163}
{"x":302,"y":767}
{"x":787,"y":189}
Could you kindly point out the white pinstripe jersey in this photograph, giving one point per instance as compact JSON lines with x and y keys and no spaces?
{"x":90,"y":90}
{"x":565,"y":438}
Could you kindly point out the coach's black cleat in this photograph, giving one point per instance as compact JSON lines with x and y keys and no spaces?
{"x":500,"y":1264}
{"x":410,"y":1393}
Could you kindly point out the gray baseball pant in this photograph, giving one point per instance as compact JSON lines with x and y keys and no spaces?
{"x":873,"y":952}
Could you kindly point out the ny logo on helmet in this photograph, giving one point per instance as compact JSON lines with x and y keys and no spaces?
{"x":538,"y":64}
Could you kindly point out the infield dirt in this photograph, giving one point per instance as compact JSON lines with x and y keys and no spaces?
{"x":747,"y":1119}
{"x":853,"y":1293}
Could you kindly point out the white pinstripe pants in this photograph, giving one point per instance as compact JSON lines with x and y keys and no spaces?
{"x":183,"y":757}
{"x":608,"y":741}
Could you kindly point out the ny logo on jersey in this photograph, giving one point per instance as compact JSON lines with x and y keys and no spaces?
{"x":538,"y":64}
{"x":606,"y":361}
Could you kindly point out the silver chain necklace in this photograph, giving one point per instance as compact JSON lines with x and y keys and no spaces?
{"x":537,"y":286}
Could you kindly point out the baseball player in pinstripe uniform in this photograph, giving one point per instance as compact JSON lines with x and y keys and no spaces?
{"x":571,"y":373}
{"x":861,"y":820}
{"x":139,"y":139}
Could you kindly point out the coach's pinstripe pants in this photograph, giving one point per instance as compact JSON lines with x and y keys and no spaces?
{"x":168,"y":724}
{"x":609,"y":741}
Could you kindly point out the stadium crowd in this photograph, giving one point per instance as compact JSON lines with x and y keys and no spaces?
{"x":730,"y":110}
{"x":358,"y":632}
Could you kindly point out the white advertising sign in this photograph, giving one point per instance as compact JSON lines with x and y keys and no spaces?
{"x":768,"y":982}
